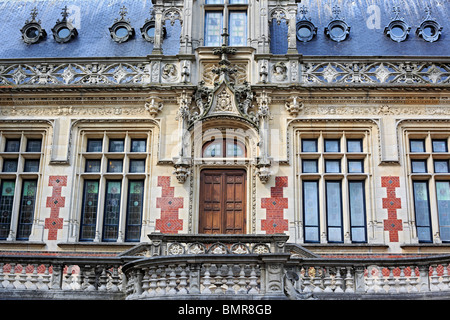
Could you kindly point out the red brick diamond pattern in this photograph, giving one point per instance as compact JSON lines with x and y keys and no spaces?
{"x":55,"y":203}
{"x":392,"y":203}
{"x":275,"y":206}
{"x":169,"y":205}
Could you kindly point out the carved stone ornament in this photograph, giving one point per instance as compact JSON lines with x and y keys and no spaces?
{"x":32,"y":32}
{"x":64,"y":31}
{"x":153,"y":106}
{"x":121,"y":31}
{"x":294,"y":107}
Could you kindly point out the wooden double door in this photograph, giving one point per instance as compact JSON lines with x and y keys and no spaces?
{"x":222,"y":201}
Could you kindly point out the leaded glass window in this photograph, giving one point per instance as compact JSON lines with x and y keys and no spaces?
{"x":422,"y":210}
{"x":334,"y":210}
{"x":134,"y":210}
{"x":238,"y":29}
{"x":443,"y":205}
{"x":112,"y":210}
{"x":229,"y":15}
{"x":357,"y":211}
{"x":89,"y":210}
{"x":213,"y":28}
{"x":27,"y":206}
{"x":20,"y":159}
{"x":105,"y":172}
{"x":311,"y":211}
{"x":7,"y":189}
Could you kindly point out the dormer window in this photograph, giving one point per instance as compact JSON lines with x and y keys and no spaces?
{"x":429,"y":30}
{"x":64,"y":31}
{"x":226,"y":14}
{"x":32,"y":32}
{"x":306,"y":30}
{"x":397,"y":29}
{"x":149,"y":28}
{"x":121,"y":30}
{"x":337,"y":30}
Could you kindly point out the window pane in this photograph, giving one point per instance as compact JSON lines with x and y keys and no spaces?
{"x":238,"y":1}
{"x":92,"y":166}
{"x":138,"y":145}
{"x":112,"y":210}
{"x":334,"y":210}
{"x":443,"y":201}
{"x":309,"y":145}
{"x":332,"y":145}
{"x":309,"y":166}
{"x":213,"y":150}
{"x":214,"y":1}
{"x":238,"y":29}
{"x":26,"y":212}
{"x":34,"y":145}
{"x":422,"y":209}
{"x":89,"y":210}
{"x":441,"y":166}
{"x":235,"y":150}
{"x":6,"y":205}
{"x":10,"y":165}
{"x":311,"y":210}
{"x":115,"y":165}
{"x":439,"y":145}
{"x":12,"y":145}
{"x":137,"y":166}
{"x":354,"y":145}
{"x":213,"y":29}
{"x":116,"y":145}
{"x":31,"y":165}
{"x":134,"y":211}
{"x":94,"y":145}
{"x":417,"y":145}
{"x":332,"y":166}
{"x":357,"y":210}
{"x":355,"y":166}
{"x":419,"y":166}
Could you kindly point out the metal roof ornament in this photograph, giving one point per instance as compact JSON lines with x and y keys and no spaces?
{"x":32,"y":32}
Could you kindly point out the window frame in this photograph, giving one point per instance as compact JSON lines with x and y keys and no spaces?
{"x":103,"y":176}
{"x":430,"y":156}
{"x":21,"y":155}
{"x":225,"y":8}
{"x":341,"y":135}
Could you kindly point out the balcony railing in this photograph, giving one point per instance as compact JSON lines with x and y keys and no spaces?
{"x":221,"y":267}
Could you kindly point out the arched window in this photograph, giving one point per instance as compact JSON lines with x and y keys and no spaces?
{"x":224,"y":148}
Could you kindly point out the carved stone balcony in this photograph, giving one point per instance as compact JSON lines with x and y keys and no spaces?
{"x":228,"y":267}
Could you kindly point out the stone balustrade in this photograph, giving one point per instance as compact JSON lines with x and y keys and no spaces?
{"x":221,"y":267}
{"x":309,"y":71}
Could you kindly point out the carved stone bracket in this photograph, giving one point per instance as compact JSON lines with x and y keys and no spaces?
{"x":153,"y":106}
{"x":294,"y":107}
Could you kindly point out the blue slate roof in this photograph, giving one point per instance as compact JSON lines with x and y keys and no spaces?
{"x":94,"y":17}
{"x":367,"y":36}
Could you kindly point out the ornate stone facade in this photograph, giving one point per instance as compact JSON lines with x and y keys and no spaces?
{"x":124,"y":140}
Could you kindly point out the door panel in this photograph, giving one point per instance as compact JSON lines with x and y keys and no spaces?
{"x":222,"y":201}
